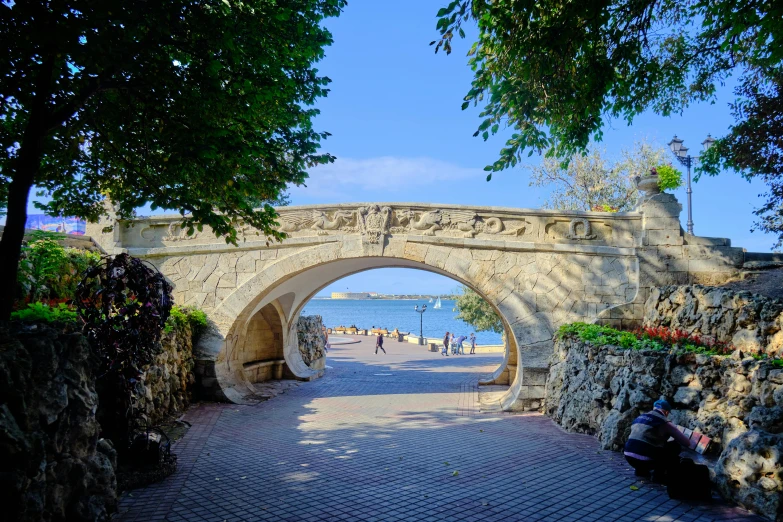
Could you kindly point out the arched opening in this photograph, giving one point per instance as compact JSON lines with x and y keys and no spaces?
{"x":277,"y":307}
{"x":261,"y":352}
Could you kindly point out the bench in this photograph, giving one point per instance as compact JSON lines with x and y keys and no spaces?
{"x":277,"y":372}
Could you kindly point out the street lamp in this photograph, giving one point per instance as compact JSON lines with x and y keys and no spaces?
{"x":421,"y":322}
{"x":681,"y":153}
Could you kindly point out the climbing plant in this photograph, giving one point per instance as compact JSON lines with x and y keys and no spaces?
{"x":124,"y":304}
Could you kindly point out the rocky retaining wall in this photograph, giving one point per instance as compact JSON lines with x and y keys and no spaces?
{"x":52,"y":466}
{"x":751,"y":322}
{"x":166,"y":386}
{"x":738,"y":402}
{"x":312,"y":342}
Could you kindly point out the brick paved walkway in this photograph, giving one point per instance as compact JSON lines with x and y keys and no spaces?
{"x":396,"y":437}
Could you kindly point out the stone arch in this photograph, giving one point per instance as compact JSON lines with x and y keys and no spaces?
{"x":305,"y":271}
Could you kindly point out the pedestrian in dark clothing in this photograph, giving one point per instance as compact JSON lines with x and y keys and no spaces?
{"x":445,"y":350}
{"x":647,"y":450}
{"x":379,"y":344}
{"x":472,"y":343}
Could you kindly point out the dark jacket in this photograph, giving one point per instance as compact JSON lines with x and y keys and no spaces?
{"x":649,"y":433}
{"x":379,"y":341}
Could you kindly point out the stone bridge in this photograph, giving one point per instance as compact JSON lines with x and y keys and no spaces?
{"x":537,"y":268}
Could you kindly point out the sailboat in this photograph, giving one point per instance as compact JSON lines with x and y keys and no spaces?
{"x":430,"y":299}
{"x":437,"y":303}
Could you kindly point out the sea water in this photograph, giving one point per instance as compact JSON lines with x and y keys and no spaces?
{"x":396,"y":313}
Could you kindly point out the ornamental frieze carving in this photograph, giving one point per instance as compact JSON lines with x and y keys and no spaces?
{"x":580,"y":228}
{"x":376,"y":221}
{"x":388,"y":220}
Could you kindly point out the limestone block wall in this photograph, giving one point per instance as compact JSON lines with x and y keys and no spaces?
{"x":666,"y":255}
{"x":751,"y":322}
{"x":263,"y":341}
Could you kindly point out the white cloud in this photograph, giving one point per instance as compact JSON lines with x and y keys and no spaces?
{"x":386,"y":173}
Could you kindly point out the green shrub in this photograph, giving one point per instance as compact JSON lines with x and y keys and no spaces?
{"x":669,"y":178}
{"x":50,"y":272}
{"x":182,"y":316}
{"x":776,"y":362}
{"x":35,"y":312}
{"x":657,"y":339}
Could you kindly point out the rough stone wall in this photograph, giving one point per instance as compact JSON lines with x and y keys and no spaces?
{"x":601,"y":389}
{"x":751,"y":322}
{"x":312,"y":342}
{"x":735,"y":401}
{"x":166,"y":386}
{"x":749,"y":471}
{"x":52,"y":466}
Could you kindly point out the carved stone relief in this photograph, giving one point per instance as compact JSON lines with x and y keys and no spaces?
{"x":580,"y":228}
{"x":576,"y":229}
{"x":375,"y":221}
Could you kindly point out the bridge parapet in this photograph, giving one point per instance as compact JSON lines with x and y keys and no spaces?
{"x":375,"y":222}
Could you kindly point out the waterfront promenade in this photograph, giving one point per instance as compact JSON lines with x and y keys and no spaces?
{"x":396,"y":437}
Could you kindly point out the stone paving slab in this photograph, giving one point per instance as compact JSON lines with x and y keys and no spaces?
{"x":396,"y":437}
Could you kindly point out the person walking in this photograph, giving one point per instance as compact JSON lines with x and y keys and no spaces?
{"x":445,"y":350}
{"x":472,"y":343}
{"x":379,"y":344}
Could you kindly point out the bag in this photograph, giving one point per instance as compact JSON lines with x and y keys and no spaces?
{"x":689,"y":481}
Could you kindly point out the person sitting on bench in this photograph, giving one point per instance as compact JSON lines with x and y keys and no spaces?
{"x":647,"y":448}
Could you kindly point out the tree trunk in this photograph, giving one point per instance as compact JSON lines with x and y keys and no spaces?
{"x":22,"y":178}
{"x":11,"y":243}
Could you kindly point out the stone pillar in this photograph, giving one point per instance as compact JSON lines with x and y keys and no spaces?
{"x":109,"y":242}
{"x":660,"y":254}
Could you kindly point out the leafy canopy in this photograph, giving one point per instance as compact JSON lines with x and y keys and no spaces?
{"x":556,"y":71}
{"x":591,"y":181}
{"x":203,"y":106}
{"x":475,"y":311}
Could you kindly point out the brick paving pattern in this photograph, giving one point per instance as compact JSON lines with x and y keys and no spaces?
{"x":396,"y":437}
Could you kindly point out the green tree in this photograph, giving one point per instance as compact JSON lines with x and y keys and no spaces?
{"x":203,"y":106}
{"x":557,"y":71}
{"x":475,"y":311}
{"x":592,"y":182}
{"x":754,"y":147}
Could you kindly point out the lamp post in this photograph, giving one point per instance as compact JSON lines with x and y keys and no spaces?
{"x":681,"y":153}
{"x":421,"y":322}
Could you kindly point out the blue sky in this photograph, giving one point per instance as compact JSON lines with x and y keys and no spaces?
{"x":399,"y":135}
